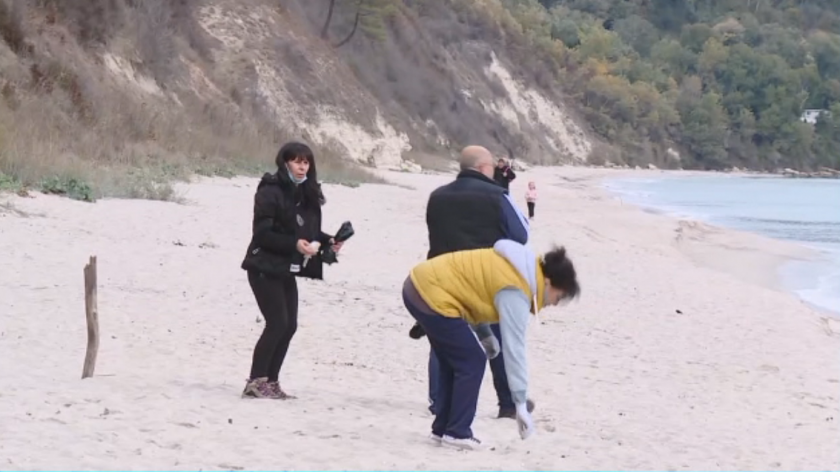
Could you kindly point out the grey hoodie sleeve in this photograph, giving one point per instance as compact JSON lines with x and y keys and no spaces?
{"x":514,"y":309}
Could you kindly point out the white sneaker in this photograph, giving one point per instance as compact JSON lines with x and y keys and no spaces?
{"x":468,"y":444}
{"x":435,"y":439}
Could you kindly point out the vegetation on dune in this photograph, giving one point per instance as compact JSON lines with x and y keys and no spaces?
{"x":723,"y":83}
{"x":706,"y":84}
{"x":64,"y":131}
{"x":727,"y":81}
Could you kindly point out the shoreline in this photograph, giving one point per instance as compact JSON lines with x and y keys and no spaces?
{"x":825,"y":174}
{"x":768,"y":269}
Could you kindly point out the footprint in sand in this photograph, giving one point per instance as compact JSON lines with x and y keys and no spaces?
{"x":54,"y":420}
{"x":546,"y":424}
{"x":230,"y":467}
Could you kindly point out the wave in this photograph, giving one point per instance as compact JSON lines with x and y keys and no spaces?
{"x":823,"y":284}
{"x":816,"y":282}
{"x":827,"y":232}
{"x":774,"y":221}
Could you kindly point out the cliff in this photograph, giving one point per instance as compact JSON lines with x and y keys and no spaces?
{"x":115,"y":97}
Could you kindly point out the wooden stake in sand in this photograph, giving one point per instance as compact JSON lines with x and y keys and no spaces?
{"x":92,"y":316}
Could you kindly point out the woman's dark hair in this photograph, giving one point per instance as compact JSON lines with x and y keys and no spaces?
{"x":311,"y":189}
{"x":560,"y":272}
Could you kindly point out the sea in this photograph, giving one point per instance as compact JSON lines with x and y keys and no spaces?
{"x":804,"y":211}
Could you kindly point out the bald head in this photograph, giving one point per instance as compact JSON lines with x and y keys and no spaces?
{"x":477,"y":158}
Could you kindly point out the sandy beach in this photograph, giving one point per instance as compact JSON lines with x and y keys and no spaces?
{"x":681,"y":354}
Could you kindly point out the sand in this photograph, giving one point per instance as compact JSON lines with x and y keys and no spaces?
{"x":681,"y":353}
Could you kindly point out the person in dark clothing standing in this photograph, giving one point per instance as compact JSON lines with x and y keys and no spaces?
{"x":472,"y":213}
{"x":503,"y":174}
{"x":287,"y":242}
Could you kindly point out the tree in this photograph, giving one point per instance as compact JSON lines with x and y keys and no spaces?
{"x":599,"y":43}
{"x":785,"y":42}
{"x":705,"y":128}
{"x":826,"y":50}
{"x":566,"y":31}
{"x":535,"y":20}
{"x":374,"y":15}
{"x":670,"y":15}
{"x":693,"y":37}
{"x":325,"y":30}
{"x":726,"y":80}
{"x":370,"y":17}
{"x":712,"y":57}
{"x":612,"y":95}
{"x":669,"y":54}
{"x":827,"y":137}
{"x":638,"y":33}
{"x":729,"y":29}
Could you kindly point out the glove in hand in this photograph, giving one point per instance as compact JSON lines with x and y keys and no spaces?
{"x":491,"y":346}
{"x":524,"y":421}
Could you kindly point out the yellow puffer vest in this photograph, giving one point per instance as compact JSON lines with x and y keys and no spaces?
{"x":465,"y":283}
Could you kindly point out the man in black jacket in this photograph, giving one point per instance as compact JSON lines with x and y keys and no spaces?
{"x":472,"y":213}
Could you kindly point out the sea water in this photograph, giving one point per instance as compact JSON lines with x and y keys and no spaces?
{"x":805,"y":211}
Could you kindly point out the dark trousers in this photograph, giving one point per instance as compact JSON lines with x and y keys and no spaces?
{"x":497,"y":367}
{"x":531,"y":206}
{"x":461,"y":364}
{"x":278,"y":302}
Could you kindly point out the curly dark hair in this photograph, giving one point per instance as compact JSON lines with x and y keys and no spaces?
{"x":560,"y":272}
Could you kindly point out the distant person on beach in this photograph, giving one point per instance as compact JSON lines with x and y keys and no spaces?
{"x":287,"y":242}
{"x":531,"y":198}
{"x":471,"y":213}
{"x":455,"y":297}
{"x":503,"y":174}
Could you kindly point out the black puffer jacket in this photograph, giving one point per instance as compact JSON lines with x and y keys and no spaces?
{"x":281,"y":218}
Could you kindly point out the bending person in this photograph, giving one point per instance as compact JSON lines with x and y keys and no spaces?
{"x":455,"y":294}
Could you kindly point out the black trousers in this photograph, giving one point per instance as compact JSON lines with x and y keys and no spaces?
{"x":531,"y":206}
{"x":278,"y":302}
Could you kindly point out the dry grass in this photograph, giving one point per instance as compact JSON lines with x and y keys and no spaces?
{"x":436,"y":162}
{"x":65,"y":129}
{"x":87,"y":163}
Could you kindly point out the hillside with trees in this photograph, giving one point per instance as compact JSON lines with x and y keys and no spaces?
{"x":119,"y":97}
{"x":725,"y":81}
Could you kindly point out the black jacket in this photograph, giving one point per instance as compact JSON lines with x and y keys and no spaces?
{"x":501,"y":179}
{"x":473,"y":212}
{"x":280,"y":219}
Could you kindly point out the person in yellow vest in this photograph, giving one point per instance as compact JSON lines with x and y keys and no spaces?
{"x":456,"y":296}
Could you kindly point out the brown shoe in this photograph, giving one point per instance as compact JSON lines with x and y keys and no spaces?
{"x":275,"y":387}
{"x":259,"y":388}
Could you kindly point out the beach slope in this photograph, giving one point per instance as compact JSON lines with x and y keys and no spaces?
{"x":668,"y":361}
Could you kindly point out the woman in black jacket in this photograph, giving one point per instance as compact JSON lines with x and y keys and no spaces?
{"x":287,"y":242}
